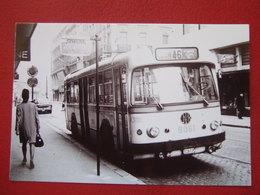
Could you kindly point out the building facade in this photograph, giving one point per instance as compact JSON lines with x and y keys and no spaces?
{"x":114,"y":39}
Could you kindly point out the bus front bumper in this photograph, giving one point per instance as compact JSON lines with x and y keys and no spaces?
{"x":178,"y":148}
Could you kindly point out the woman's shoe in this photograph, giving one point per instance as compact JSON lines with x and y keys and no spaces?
{"x":31,"y":165}
{"x":24,"y":162}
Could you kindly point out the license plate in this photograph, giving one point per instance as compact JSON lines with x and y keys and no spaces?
{"x":189,"y":151}
{"x":194,"y":150}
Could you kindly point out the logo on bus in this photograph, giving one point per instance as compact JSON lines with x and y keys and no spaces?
{"x":185,"y":118}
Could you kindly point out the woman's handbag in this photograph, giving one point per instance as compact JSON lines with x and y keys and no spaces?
{"x":39,"y":141}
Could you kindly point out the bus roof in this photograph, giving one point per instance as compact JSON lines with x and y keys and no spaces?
{"x":141,"y":57}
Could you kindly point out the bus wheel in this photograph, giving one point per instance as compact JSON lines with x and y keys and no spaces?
{"x":107,"y":141}
{"x":74,"y":126}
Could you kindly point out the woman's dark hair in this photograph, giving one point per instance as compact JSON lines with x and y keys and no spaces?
{"x":25,"y":95}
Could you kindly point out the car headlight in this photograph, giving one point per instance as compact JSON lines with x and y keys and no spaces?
{"x":153,"y":132}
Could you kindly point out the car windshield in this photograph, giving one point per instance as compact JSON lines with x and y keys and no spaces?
{"x":173,"y":84}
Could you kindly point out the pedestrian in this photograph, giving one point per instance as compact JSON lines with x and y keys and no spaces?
{"x":240,"y":105}
{"x":27,"y":126}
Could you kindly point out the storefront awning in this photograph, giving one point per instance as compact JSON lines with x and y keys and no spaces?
{"x":24,"y":33}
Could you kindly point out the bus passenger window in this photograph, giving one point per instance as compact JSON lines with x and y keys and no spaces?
{"x":138,"y":87}
{"x":68,"y":93}
{"x":108,"y":87}
{"x":71,"y":92}
{"x":76,"y":92}
{"x":124,"y":85}
{"x":101,"y":88}
{"x":92,"y":91}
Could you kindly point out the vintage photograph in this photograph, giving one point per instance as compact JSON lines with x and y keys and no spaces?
{"x":131,"y":103}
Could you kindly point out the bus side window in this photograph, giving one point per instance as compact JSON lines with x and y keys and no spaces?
{"x":117,"y":87}
{"x":138,"y":93}
{"x":101,"y":88}
{"x":123,"y":77}
{"x":76,"y":92}
{"x":108,"y":87}
{"x":120,"y":79}
{"x":71,"y":92}
{"x":68,"y":93}
{"x":92,"y":92}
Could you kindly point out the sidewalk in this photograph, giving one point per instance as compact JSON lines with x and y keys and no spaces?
{"x":63,"y":160}
{"x":234,"y":121}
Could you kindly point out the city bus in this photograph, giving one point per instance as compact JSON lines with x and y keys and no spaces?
{"x":153,"y":103}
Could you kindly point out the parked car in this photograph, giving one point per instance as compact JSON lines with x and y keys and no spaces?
{"x":44,"y":106}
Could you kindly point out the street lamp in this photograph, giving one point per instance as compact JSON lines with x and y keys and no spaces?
{"x":96,"y":39}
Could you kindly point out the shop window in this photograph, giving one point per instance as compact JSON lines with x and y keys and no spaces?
{"x":244,"y":49}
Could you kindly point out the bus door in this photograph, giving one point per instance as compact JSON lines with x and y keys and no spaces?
{"x":81,"y":110}
{"x":121,"y":108}
{"x":84,"y":110}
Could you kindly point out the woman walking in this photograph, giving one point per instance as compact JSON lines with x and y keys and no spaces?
{"x":27,"y":126}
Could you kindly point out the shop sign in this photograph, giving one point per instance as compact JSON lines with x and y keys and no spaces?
{"x":226,"y":58}
{"x":23,"y":50}
{"x":75,"y":46}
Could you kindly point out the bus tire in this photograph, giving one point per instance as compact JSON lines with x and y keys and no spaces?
{"x":107,"y":141}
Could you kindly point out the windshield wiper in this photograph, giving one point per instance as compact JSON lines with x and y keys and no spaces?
{"x":189,"y":85}
{"x":158,"y":104}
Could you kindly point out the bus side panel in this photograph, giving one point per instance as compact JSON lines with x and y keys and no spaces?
{"x":73,"y":111}
{"x":110,"y":134}
{"x":92,"y":123}
{"x":68,"y":116}
{"x":104,"y":114}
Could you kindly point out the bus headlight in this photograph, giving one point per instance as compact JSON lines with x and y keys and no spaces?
{"x":153,"y":132}
{"x":214,"y":125}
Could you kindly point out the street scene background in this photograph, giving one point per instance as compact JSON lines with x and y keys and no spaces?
{"x":63,"y":159}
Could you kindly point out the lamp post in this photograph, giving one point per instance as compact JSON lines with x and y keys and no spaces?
{"x":96,"y":39}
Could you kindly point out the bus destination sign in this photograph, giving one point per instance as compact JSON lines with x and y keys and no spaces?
{"x":174,"y":53}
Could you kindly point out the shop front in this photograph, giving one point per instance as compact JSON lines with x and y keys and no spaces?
{"x":231,"y":85}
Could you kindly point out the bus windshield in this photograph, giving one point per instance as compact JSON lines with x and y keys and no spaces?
{"x":173,"y":84}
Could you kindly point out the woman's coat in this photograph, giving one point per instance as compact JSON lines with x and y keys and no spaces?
{"x":27,"y":120}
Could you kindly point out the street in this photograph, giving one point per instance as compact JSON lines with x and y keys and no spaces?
{"x":62,"y":159}
{"x":229,"y":166}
